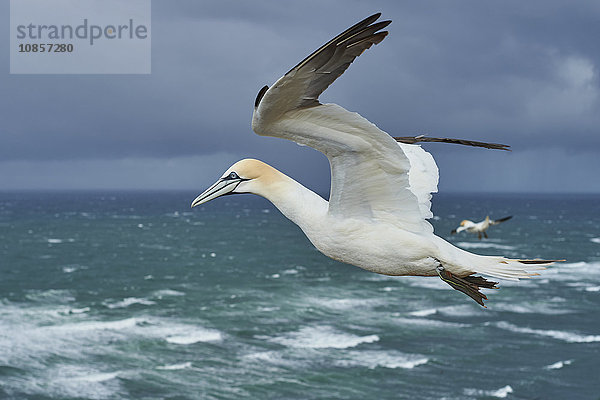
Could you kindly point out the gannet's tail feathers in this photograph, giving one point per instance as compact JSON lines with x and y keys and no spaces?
{"x":463,"y":279}
{"x":416,"y":139}
{"x":507,"y":268}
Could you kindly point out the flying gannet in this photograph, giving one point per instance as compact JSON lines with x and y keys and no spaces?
{"x":380,"y":199}
{"x":478,"y":227}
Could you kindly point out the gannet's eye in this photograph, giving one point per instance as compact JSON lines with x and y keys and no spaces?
{"x":233,"y":175}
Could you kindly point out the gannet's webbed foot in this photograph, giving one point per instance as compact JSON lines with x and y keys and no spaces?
{"x":469,"y":285}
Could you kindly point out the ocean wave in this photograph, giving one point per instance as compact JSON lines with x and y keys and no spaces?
{"x":50,"y":296}
{"x":578,"y":271}
{"x":74,"y":381}
{"x":377,"y":358}
{"x":321,"y":337}
{"x":343,"y":304}
{"x":462,"y":310}
{"x":270,"y":357}
{"x":530,"y":308}
{"x":195,"y":335}
{"x":267,"y":309}
{"x":167,"y":292}
{"x":565,"y":336}
{"x":558,"y":364}
{"x":434,"y":323}
{"x":290,"y":271}
{"x":76,"y":310}
{"x":499,"y":393}
{"x":484,"y":245}
{"x":128,"y":301}
{"x":175,"y":367}
{"x":97,"y":326}
{"x":98,"y":377}
{"x":423,"y":313}
{"x":427,"y":282}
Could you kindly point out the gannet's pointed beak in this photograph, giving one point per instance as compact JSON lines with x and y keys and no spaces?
{"x":220,"y":188}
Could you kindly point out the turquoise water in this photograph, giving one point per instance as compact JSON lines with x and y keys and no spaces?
{"x":135,"y":296}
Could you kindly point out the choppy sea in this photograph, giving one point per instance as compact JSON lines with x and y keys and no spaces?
{"x":136,"y":296}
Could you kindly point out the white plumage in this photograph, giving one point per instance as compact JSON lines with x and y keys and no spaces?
{"x":376,"y":216}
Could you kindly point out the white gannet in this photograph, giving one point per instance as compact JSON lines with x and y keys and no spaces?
{"x":376,"y":216}
{"x":478,"y":227}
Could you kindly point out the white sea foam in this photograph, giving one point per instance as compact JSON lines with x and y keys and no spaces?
{"x":95,"y":326}
{"x":592,"y":289}
{"x":462,"y":310}
{"x":50,"y":296}
{"x":78,"y":310}
{"x":128,"y":301}
{"x":73,"y":381}
{"x":484,"y":245}
{"x":290,"y":271}
{"x":270,"y":357}
{"x":167,"y":292}
{"x":99,"y":377}
{"x":499,"y":393}
{"x":595,"y":240}
{"x":320,"y":337}
{"x":432,"y":323}
{"x":377,"y":358}
{"x":546,"y":308}
{"x":174,"y":367}
{"x":343,"y":304}
{"x":579,"y":271}
{"x":423,"y":313}
{"x":569,"y":337}
{"x":195,"y":335}
{"x":558,"y":364}
{"x":267,"y":309}
{"x":427,"y":283}
{"x":54,"y":241}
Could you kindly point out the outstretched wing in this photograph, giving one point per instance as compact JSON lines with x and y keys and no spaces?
{"x":370,"y":171}
{"x":301,"y":86}
{"x":372,"y":175}
{"x":497,"y":221}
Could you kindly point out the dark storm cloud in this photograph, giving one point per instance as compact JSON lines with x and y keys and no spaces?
{"x":521,"y":73}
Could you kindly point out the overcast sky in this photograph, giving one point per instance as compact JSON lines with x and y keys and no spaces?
{"x":523,"y":73}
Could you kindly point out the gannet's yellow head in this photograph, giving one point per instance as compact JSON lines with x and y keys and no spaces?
{"x":464,"y":222}
{"x":245,"y":176}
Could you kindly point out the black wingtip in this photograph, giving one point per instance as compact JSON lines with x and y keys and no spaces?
{"x":423,"y":138}
{"x":504,"y":219}
{"x":260,"y":95}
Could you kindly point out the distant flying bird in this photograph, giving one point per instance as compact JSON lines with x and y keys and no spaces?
{"x":478,"y":227}
{"x":380,"y":189}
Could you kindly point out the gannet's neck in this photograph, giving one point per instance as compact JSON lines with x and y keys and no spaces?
{"x":299,"y":204}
